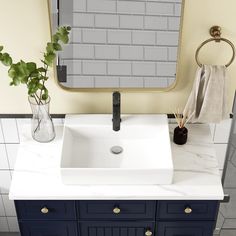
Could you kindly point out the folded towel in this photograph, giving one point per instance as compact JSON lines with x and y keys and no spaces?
{"x":208,"y":100}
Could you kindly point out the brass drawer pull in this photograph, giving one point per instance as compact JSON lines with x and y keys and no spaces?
{"x":44,"y":210}
{"x":148,"y":233}
{"x":188,"y":210}
{"x":116,"y":210}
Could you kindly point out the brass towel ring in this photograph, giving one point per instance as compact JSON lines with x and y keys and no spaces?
{"x":215,"y":32}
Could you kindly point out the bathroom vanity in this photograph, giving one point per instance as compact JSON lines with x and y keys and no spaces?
{"x":116,"y":217}
{"x":48,"y":207}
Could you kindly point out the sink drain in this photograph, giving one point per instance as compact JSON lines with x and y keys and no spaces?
{"x":116,"y":149}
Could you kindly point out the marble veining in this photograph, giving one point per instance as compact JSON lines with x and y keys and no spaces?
{"x":196,"y":175}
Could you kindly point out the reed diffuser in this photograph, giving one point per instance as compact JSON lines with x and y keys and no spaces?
{"x":181,"y":132}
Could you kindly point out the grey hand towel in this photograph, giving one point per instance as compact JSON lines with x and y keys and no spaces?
{"x":208,"y":102}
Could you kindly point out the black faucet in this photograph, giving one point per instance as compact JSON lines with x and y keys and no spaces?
{"x":116,"y":111}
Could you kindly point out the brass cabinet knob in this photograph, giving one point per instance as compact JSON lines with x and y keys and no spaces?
{"x":148,"y":233}
{"x":188,"y":210}
{"x":44,"y":210}
{"x":116,"y":210}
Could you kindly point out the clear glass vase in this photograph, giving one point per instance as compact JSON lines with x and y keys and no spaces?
{"x":42,"y":127}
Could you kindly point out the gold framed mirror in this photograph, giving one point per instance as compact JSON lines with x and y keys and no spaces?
{"x":123,"y":45}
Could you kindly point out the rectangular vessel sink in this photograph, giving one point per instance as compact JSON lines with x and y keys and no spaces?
{"x":140,"y":153}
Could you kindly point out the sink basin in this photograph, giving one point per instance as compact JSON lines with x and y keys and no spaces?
{"x":140,"y":153}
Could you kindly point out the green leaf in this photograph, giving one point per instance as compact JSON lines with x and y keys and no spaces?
{"x":25,"y":80}
{"x":68,"y":28}
{"x":15,"y":82}
{"x":12,"y":72}
{"x":31,"y":66}
{"x":40,"y":86}
{"x":63,"y":33}
{"x":32,"y":86}
{"x":57,"y":47}
{"x":34,"y":74}
{"x":45,"y":94}
{"x":64,"y":38}
{"x":6,"y":59}
{"x":62,"y":30}
{"x":55,"y":38}
{"x":42,"y":70}
{"x":49,"y":57}
{"x":45,"y":97}
{"x":49,"y":48}
{"x":23,"y":70}
{"x":1,"y":48}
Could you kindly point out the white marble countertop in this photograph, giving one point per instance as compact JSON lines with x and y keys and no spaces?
{"x":196,"y":175}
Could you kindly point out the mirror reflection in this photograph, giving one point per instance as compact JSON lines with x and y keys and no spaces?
{"x":119,"y":43}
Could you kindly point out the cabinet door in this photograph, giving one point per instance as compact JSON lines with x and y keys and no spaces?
{"x":48,"y":228}
{"x":116,"y":228}
{"x":198,"y":228}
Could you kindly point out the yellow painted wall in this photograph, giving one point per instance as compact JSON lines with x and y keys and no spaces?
{"x":24,"y":30}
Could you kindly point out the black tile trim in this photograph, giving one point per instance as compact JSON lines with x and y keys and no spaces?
{"x":56,"y":116}
{"x":26,"y":116}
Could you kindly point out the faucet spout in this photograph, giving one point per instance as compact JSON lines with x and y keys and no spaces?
{"x":116,"y":111}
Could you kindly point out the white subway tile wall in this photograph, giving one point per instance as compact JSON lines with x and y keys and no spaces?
{"x":9,"y":143}
{"x":13,"y":127}
{"x":109,"y":34}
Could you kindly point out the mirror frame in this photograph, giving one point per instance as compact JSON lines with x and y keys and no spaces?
{"x":130,"y":90}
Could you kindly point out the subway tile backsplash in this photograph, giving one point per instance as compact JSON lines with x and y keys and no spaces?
{"x":9,"y":147}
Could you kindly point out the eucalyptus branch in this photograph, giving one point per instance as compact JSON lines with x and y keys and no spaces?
{"x":29,"y":73}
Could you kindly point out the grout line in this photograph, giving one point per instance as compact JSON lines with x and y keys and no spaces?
{"x":127,"y":44}
{"x":128,"y":14}
{"x":7,"y":156}
{"x":122,"y":60}
{"x":5,"y":213}
{"x":143,"y":29}
{"x":2,"y":131}
{"x":17,"y":129}
{"x":122,"y":28}
{"x":158,"y":77}
{"x":4,"y":208}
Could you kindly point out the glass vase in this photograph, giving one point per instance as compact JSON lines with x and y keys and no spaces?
{"x":42,"y":128}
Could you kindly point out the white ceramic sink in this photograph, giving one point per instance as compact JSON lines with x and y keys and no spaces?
{"x":87,"y":158}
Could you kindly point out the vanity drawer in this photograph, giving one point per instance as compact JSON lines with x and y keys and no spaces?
{"x":187,"y":210}
{"x":116,"y":209}
{"x":45,"y":210}
{"x":117,"y":228}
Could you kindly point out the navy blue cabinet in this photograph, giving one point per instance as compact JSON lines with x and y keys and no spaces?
{"x":48,"y":228}
{"x":191,"y":228}
{"x":116,"y":228}
{"x":117,"y":218}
